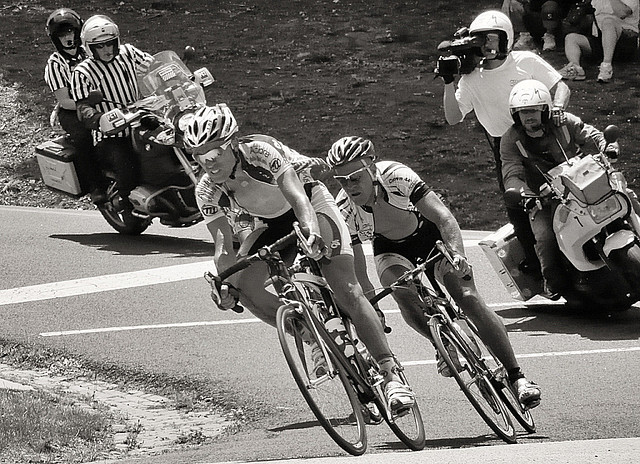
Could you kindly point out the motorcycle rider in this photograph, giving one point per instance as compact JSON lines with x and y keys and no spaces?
{"x":111,"y":69}
{"x":533,"y":145}
{"x":389,"y":204}
{"x":63,"y":27}
{"x":485,"y":90}
{"x":255,"y":175}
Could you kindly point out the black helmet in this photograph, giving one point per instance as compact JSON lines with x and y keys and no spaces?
{"x":62,"y":20}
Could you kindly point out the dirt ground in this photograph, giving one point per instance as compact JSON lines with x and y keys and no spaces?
{"x":306,"y":72}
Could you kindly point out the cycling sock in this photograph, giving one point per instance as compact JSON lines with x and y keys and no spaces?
{"x":515,"y":374}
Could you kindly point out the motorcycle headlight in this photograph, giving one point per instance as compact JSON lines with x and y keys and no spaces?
{"x":605,"y":209}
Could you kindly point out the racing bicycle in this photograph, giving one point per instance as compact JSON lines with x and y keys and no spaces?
{"x":483,"y":378}
{"x":334,"y":371}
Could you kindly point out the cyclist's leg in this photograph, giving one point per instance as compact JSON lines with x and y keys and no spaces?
{"x":491,"y":329}
{"x":390,"y":266}
{"x":341,"y":276}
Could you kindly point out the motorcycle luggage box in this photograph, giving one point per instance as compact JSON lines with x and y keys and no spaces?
{"x":505,"y":253}
{"x":587,"y":180}
{"x":55,"y":159}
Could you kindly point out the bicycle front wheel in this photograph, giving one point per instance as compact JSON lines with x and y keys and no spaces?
{"x":474,"y":380}
{"x":328,"y":392}
{"x":408,"y":425}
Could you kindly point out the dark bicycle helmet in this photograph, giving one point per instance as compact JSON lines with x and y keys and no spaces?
{"x":349,"y":149}
{"x":60,"y":21}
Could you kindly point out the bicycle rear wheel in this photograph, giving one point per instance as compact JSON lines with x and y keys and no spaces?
{"x":474,"y":381}
{"x":330,"y":396}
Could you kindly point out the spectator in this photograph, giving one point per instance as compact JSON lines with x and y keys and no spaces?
{"x":537,"y":21}
{"x":614,"y":36}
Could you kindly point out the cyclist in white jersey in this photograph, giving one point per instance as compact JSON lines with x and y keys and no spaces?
{"x":388,"y":204}
{"x":255,"y":175}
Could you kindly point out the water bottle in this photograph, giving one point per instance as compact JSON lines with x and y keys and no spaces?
{"x":338,"y":332}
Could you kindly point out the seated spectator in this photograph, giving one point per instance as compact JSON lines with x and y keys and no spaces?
{"x":537,"y":21}
{"x":614,"y":36}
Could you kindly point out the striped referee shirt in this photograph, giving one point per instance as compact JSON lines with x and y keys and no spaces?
{"x":57,"y":72}
{"x":116,"y":80}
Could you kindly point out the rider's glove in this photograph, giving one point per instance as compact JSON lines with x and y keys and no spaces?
{"x":142,"y":68}
{"x":612,"y":151}
{"x":315,"y":247}
{"x":223,"y":294}
{"x":461,"y":266}
{"x":447,"y":68}
{"x":557,"y":116}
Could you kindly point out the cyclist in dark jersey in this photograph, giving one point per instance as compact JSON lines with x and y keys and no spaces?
{"x":388,"y":204}
{"x":255,"y":176}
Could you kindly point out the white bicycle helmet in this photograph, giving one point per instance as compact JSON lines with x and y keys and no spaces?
{"x":529,"y":93}
{"x":210,"y":124}
{"x":349,"y":149}
{"x":493,"y":20}
{"x":97,"y":30}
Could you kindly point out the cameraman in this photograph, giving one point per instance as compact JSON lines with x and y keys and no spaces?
{"x":485,"y":89}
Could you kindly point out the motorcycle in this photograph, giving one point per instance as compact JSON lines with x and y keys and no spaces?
{"x":168,"y":176}
{"x":597,"y":229}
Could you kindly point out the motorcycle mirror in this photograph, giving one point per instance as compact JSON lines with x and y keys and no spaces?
{"x":512,"y":198}
{"x":611,"y":133}
{"x":189,"y":53}
{"x":95,"y":97}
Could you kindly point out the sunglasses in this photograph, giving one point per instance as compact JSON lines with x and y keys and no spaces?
{"x":355,"y":176}
{"x":211,"y":147}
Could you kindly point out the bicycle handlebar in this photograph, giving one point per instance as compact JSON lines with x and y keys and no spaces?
{"x":261,"y":254}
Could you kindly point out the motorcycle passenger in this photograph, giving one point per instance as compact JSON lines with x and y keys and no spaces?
{"x":485,"y":91}
{"x":534,"y":144}
{"x":111,"y":69}
{"x":63,"y":27}
{"x":387,"y":203}
{"x":255,"y":174}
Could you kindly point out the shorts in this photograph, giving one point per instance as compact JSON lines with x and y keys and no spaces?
{"x":406,"y":252}
{"x":626,"y":48}
{"x":333,"y":229}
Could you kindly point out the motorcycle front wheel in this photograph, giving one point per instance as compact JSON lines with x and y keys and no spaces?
{"x":121,"y":219}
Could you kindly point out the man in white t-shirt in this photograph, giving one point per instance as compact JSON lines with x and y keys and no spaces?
{"x":485,"y":90}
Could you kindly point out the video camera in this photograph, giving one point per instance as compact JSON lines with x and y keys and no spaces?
{"x":458,"y":56}
{"x":462,"y":44}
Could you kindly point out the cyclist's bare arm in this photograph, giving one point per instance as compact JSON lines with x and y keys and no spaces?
{"x":293,"y":191}
{"x":432,"y":208}
{"x":222,"y":235}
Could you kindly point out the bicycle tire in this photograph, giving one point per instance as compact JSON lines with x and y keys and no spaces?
{"x":474,"y":381}
{"x":408,"y":427}
{"x":331,"y":397}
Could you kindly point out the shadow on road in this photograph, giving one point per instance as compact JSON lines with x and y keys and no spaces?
{"x":147,"y":244}
{"x":554,"y":319}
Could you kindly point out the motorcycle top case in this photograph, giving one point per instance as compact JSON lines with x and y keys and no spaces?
{"x":587,"y":180}
{"x":55,"y":159}
{"x":505,"y":253}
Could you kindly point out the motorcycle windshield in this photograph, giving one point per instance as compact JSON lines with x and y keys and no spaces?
{"x":169,"y":79}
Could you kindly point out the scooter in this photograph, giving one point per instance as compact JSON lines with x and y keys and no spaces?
{"x":597,"y":229}
{"x":168,"y":176}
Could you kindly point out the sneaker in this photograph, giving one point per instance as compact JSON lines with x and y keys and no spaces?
{"x":606,"y":73}
{"x":572,"y":72}
{"x":320,"y":366}
{"x":443,"y":367}
{"x":399,"y":397}
{"x":524,"y":42}
{"x":548,"y":42}
{"x":528,"y":393}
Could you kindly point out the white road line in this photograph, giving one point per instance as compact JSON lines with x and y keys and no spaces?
{"x":110,"y":282}
{"x":146,"y":327}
